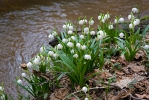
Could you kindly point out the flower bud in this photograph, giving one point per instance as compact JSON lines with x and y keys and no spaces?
{"x":75,"y":55}
{"x":23,"y":75}
{"x":121,"y":20}
{"x":87,"y":57}
{"x":121,"y":35}
{"x":29,"y":64}
{"x":19,"y":81}
{"x":84,"y":89}
{"x":86,"y":98}
{"x":82,"y":36}
{"x":135,"y":10}
{"x":59,"y":46}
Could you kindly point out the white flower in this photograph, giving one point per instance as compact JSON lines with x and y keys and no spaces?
{"x":59,"y":46}
{"x":19,"y":81}
{"x":110,"y":27}
{"x":121,"y":35}
{"x":82,"y":36}
{"x":135,"y":10}
{"x":100,"y":32}
{"x":55,"y":55}
{"x":70,"y":27}
{"x":138,"y":21}
{"x":121,"y":20}
{"x":64,"y":40}
{"x":99,"y":17}
{"x":29,"y":64}
{"x":51,"y":53}
{"x":64,"y":26}
{"x":70,"y":32}
{"x":146,"y":47}
{"x":75,"y":55}
{"x":99,"y":37}
{"x":1,"y":88}
{"x":51,"y":36}
{"x":84,"y":89}
{"x":92,"y":32}
{"x":130,"y":17}
{"x":91,"y":22}
{"x":70,"y":44}
{"x":83,"y":47}
{"x":78,"y":45}
{"x":87,"y":57}
{"x":84,"y":21}
{"x":115,"y":21}
{"x":42,"y":49}
{"x":86,"y":30}
{"x":107,"y":16}
{"x":86,"y":98}
{"x":73,"y":38}
{"x":54,"y":33}
{"x":81,"y":22}
{"x":135,"y":23}
{"x":36,"y":61}
{"x":130,"y":25}
{"x":103,"y":20}
{"x":72,"y":51}
{"x":23,"y":75}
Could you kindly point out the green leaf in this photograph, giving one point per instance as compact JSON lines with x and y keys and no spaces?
{"x":145,"y":30}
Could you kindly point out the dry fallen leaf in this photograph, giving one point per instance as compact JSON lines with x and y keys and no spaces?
{"x":144,"y":96}
{"x":124,"y":82}
{"x":135,"y":67}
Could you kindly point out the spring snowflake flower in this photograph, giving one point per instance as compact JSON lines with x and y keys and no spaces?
{"x":75,"y":55}
{"x":55,"y":55}
{"x":59,"y":46}
{"x":51,"y":53}
{"x":107,"y":16}
{"x":73,"y":38}
{"x":54,"y":33}
{"x":70,"y":32}
{"x":130,"y":25}
{"x":91,"y":22}
{"x":103,"y":20}
{"x":70,"y":44}
{"x":64,"y":40}
{"x":84,"y":89}
{"x":135,"y":10}
{"x":92,"y":32}
{"x":121,"y":20}
{"x":70,"y":28}
{"x":100,"y":32}
{"x":86,"y":98}
{"x":19,"y":81}
{"x":83,"y":47}
{"x":23,"y":75}
{"x":121,"y":35}
{"x":51,"y":36}
{"x":81,"y":22}
{"x":130,"y":17}
{"x":72,"y":51}
{"x":81,"y":36}
{"x":99,"y":37}
{"x":115,"y":21}
{"x":1,"y":88}
{"x":86,"y":30}
{"x":36,"y":61}
{"x":146,"y":47}
{"x":135,"y":23}
{"x":64,"y":26}
{"x":138,"y":21}
{"x":84,"y":21}
{"x":42,"y":49}
{"x":29,"y":64}
{"x":78,"y":45}
{"x":87,"y":57}
{"x":99,"y":17}
{"x":110,"y":27}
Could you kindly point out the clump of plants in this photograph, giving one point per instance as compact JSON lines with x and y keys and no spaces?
{"x":79,"y":53}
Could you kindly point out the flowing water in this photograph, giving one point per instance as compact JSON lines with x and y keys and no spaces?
{"x":24,"y":27}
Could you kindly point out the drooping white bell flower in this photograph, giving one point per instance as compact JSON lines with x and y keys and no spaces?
{"x":121,"y":35}
{"x":81,"y":36}
{"x":84,"y":21}
{"x":65,"y":27}
{"x":36,"y":61}
{"x":146,"y":47}
{"x":19,"y":81}
{"x":87,"y":57}
{"x":78,"y":45}
{"x":138,"y":21}
{"x":73,"y":38}
{"x":55,"y":55}
{"x":110,"y":27}
{"x":91,"y":22}
{"x":86,"y":30}
{"x":135,"y":23}
{"x":86,"y":98}
{"x":59,"y":46}
{"x":70,"y":44}
{"x":1,"y":88}
{"x":54,"y":33}
{"x":42,"y":49}
{"x":130,"y":17}
{"x":70,"y":28}
{"x":135,"y":10}
{"x":75,"y":56}
{"x":51,"y":36}
{"x":92,"y":32}
{"x":29,"y":64}
{"x":103,"y":20}
{"x":84,"y":89}
{"x":23,"y":74}
{"x":121,"y":20}
{"x":70,"y":32}
{"x":99,"y":17}
{"x":51,"y":53}
{"x":130,"y":25}
{"x":83,"y":47}
{"x":65,"y":40}
{"x":115,"y":21}
{"x":107,"y":16}
{"x":81,"y":22}
{"x":100,"y":32}
{"x":72,"y":51}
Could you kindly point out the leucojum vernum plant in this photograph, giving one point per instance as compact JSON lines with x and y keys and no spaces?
{"x":80,"y":52}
